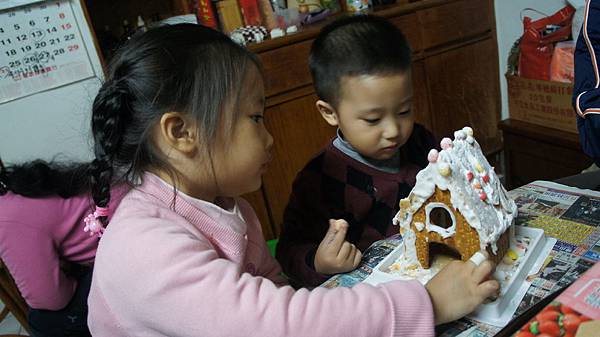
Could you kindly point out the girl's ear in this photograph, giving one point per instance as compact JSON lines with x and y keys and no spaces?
{"x":328,"y":112}
{"x":178,"y":132}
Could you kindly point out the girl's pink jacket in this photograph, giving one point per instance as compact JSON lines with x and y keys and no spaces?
{"x":180,"y":267}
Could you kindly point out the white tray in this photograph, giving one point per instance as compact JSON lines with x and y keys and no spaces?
{"x":499,"y":312}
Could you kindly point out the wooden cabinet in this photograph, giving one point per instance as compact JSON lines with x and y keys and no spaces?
{"x":462,"y":85}
{"x":455,"y":75}
{"x":534,"y":152}
{"x":299,"y":132}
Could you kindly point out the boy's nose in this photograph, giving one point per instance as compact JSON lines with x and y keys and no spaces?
{"x":391,"y":130}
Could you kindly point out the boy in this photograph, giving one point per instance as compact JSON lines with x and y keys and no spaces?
{"x":361,"y":71}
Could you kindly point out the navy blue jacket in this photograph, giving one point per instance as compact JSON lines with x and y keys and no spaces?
{"x":586,"y":89}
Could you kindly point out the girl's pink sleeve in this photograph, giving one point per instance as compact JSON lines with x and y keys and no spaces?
{"x":181,"y":287}
{"x":273,"y":270}
{"x":33,"y":262}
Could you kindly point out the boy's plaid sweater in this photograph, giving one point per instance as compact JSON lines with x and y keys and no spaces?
{"x":334,"y":186}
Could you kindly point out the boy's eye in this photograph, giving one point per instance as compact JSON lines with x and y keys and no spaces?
{"x":372,"y":120}
{"x":257,"y":118}
{"x":405,"y":112}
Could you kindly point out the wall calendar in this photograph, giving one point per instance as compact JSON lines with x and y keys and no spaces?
{"x":41,"y":47}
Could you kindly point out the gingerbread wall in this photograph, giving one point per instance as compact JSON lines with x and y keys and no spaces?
{"x":465,"y":241}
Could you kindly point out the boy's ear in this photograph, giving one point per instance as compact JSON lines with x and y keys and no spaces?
{"x":178,"y":132}
{"x":328,"y":112}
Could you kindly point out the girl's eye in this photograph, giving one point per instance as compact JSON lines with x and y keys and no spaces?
{"x":257,"y":118}
{"x":402,"y":113}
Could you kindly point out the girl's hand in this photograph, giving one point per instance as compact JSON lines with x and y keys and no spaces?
{"x":460,"y":287}
{"x":335,"y":254}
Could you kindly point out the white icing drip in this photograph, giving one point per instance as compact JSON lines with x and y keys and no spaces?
{"x":410,"y":253}
{"x":419,"y":226}
{"x":490,"y":217}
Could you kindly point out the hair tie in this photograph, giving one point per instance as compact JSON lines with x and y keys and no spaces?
{"x":117,"y":87}
{"x":93,"y":223}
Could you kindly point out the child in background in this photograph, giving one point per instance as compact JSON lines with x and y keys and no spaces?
{"x":181,"y":115}
{"x":43,"y":243}
{"x":361,"y":72}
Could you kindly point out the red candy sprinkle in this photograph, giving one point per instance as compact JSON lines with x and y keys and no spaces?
{"x":486,"y":178}
{"x":482,"y":196}
{"x":469,"y":175}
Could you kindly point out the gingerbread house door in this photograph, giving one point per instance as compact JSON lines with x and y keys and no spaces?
{"x":445,"y":231}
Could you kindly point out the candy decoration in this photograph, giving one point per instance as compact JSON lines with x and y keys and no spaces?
{"x":469,"y":175}
{"x":507,"y":260}
{"x":485,"y":178}
{"x":433,"y":155}
{"x":479,"y":168}
{"x":482,"y":196}
{"x":459,"y":135}
{"x":468,"y":131}
{"x":512,"y":254}
{"x":444,"y":169}
{"x":446,"y":143}
{"x":477,"y":185}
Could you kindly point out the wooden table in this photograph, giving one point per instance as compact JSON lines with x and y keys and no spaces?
{"x":534,"y":152}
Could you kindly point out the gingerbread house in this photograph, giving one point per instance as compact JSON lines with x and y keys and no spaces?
{"x":458,"y":205}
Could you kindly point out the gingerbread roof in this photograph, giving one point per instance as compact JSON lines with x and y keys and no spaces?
{"x":476,"y":192}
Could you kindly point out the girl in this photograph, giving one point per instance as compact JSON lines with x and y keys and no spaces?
{"x":44,"y":246}
{"x":181,"y":113}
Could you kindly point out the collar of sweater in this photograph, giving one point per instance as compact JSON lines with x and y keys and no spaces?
{"x":391,"y":165}
{"x":220,"y":226}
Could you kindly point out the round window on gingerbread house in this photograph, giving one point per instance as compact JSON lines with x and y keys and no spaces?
{"x":440,"y":217}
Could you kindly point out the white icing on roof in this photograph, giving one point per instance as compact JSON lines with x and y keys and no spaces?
{"x":478,"y":196}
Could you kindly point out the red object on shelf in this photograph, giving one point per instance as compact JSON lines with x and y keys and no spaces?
{"x":206,"y":14}
{"x":537,"y":47}
{"x":250,"y":12}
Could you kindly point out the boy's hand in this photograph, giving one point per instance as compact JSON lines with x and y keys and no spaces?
{"x":335,"y":254}
{"x":460,"y":287}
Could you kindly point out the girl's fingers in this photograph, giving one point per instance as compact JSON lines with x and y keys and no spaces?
{"x":488,"y":289}
{"x":478,"y":258}
{"x":483,"y":271}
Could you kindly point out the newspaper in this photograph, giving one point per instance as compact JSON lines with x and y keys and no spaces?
{"x":570,"y":215}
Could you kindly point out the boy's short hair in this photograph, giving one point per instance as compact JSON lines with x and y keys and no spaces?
{"x":353,"y":46}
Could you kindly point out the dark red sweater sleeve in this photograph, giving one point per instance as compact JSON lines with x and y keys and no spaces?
{"x":305,"y":223}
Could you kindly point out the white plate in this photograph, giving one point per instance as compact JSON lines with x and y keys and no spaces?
{"x":513,"y":289}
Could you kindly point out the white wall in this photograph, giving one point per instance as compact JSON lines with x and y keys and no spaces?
{"x":54,"y":123}
{"x":509,"y":28}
